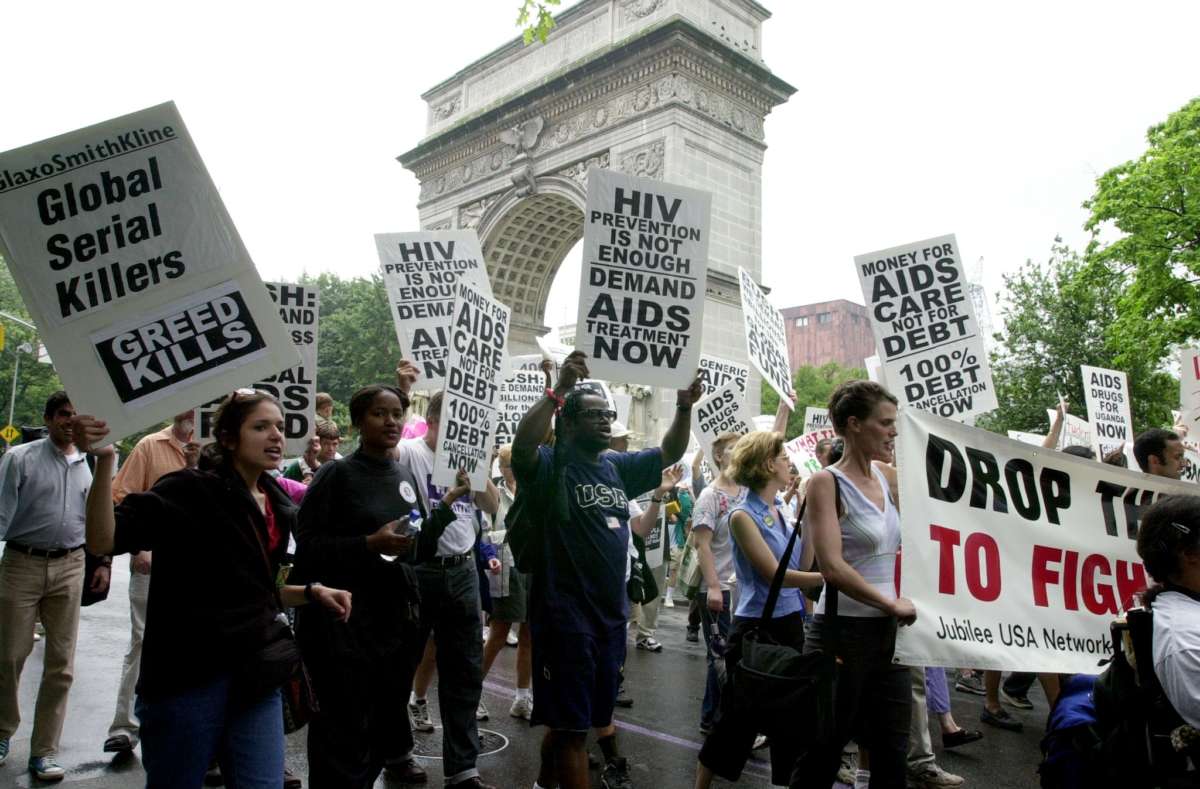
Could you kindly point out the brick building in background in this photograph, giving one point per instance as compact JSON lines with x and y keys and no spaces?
{"x":829,"y":331}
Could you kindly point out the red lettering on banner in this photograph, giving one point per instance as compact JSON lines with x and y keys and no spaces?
{"x":975,"y":544}
{"x":1131,"y":579}
{"x":1070,"y":593}
{"x":948,"y":539}
{"x":1043,"y":576}
{"x":1098,"y":600}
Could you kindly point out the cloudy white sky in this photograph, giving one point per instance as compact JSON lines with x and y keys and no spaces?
{"x":910,"y":120}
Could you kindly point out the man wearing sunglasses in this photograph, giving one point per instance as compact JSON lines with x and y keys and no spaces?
{"x":578,"y":603}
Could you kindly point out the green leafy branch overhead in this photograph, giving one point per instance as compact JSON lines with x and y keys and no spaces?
{"x":535,"y":19}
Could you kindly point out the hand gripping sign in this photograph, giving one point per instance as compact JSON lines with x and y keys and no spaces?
{"x":421,"y":272}
{"x":478,"y":340}
{"x":766,"y":340}
{"x":1017,"y":558}
{"x":133,"y":271}
{"x":641,"y":294}
{"x":925,"y":328}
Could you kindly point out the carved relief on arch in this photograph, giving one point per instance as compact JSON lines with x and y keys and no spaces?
{"x":645,"y":160}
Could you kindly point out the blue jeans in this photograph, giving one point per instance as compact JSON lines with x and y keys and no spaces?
{"x":182,"y":733}
{"x":712,"y":686}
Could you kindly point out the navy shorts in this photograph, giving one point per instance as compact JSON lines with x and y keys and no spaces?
{"x":575,"y":678}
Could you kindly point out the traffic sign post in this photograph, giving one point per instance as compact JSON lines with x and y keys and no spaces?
{"x":10,"y":434}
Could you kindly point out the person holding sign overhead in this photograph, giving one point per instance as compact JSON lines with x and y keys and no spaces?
{"x":855,"y":527}
{"x":215,"y":654}
{"x":579,"y":603}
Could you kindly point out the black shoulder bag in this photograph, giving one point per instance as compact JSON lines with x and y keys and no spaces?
{"x":777,"y":682}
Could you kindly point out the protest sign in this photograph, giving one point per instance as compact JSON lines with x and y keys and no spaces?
{"x":874,"y":369}
{"x":725,"y":411}
{"x":1017,"y":558}
{"x":925,"y":328}
{"x":522,"y":390}
{"x":802,"y":450}
{"x":766,"y":339}
{"x":1026,"y":438}
{"x":641,"y":292}
{"x":1107,"y":395}
{"x":133,"y":271}
{"x":421,"y":272}
{"x":715,"y":373}
{"x":1189,"y":389}
{"x":1076,"y":431}
{"x":296,"y":387}
{"x":1191,"y":462}
{"x":478,"y":335}
{"x":816,"y":418}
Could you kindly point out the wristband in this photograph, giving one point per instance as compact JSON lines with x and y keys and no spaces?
{"x":308,"y":591}
{"x":558,"y":400}
{"x":657,"y":501}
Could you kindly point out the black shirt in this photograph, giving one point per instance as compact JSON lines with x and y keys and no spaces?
{"x":212,"y":602}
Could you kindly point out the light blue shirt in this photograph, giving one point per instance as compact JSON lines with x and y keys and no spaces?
{"x":43,"y":496}
{"x":754,"y":588}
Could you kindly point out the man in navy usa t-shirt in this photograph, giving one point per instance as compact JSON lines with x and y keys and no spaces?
{"x":578,"y":602}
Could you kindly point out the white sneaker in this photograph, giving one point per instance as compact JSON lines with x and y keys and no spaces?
{"x":45,"y":768}
{"x":511,"y":638}
{"x":481,"y":713}
{"x":418,"y":716}
{"x":930,"y":776}
{"x":485,"y":634}
{"x":668,"y":602}
{"x":522,"y":708}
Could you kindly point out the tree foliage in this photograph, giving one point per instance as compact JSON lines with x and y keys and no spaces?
{"x":35,"y":382}
{"x":1153,"y":204}
{"x":1057,"y":316}
{"x":535,"y":19}
{"x":812,"y":385}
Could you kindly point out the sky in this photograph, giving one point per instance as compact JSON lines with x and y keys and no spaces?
{"x":910,"y":120}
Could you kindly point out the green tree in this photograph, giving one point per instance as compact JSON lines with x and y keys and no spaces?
{"x":1056,"y":316}
{"x":535,"y":19}
{"x":1153,"y":204}
{"x":813,"y":385}
{"x":35,"y":382}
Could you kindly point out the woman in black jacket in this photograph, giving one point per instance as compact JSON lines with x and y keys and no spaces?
{"x":354,"y":532}
{"x":217,"y":648}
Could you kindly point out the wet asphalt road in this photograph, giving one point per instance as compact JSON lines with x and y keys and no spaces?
{"x":658,"y":734}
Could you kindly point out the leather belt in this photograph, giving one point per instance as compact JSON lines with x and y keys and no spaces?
{"x":42,"y":553}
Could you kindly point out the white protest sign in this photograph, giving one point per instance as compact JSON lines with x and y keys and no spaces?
{"x":874,"y":369}
{"x":1076,"y":431}
{"x":1016,"y":558}
{"x":1191,"y":462}
{"x":296,"y":387}
{"x":725,"y":411}
{"x":816,"y":418}
{"x":641,"y":293}
{"x":925,"y":328}
{"x":478,"y":341}
{"x":1026,"y":438}
{"x":1189,"y":389}
{"x":421,"y":271}
{"x":133,"y":271}
{"x":766,"y":339}
{"x":802,"y":450}
{"x":716,"y":372}
{"x":522,"y":390}
{"x":1107,"y":395}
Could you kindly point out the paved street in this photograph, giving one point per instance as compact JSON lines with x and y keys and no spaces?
{"x":658,"y":733}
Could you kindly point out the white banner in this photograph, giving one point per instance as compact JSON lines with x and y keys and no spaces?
{"x":816,"y":418}
{"x":641,"y":293}
{"x":421,"y":271}
{"x":478,"y":342}
{"x":1016,"y":558}
{"x":716,"y":372}
{"x":766,"y":339}
{"x":925,"y":327}
{"x":1107,"y":396}
{"x":1032,"y":439}
{"x":133,"y":271}
{"x":1189,"y":390}
{"x":296,"y":387}
{"x":724,"y":412}
{"x":802,"y":450}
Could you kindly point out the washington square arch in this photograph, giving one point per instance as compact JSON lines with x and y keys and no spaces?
{"x":671,"y":89}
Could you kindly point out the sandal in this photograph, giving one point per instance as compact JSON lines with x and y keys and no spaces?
{"x":960,"y":737}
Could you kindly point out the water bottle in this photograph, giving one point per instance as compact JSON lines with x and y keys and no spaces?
{"x":414,"y":523}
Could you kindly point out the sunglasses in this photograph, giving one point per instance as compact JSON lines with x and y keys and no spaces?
{"x":598,"y":413}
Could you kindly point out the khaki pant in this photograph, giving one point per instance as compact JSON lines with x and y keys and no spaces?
{"x":50,"y":589}
{"x":124,"y":720}
{"x":645,"y":615}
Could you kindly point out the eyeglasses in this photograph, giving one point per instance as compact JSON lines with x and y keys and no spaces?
{"x":606,"y":414}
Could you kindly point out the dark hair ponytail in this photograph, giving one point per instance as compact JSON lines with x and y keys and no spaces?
{"x":856,"y":399}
